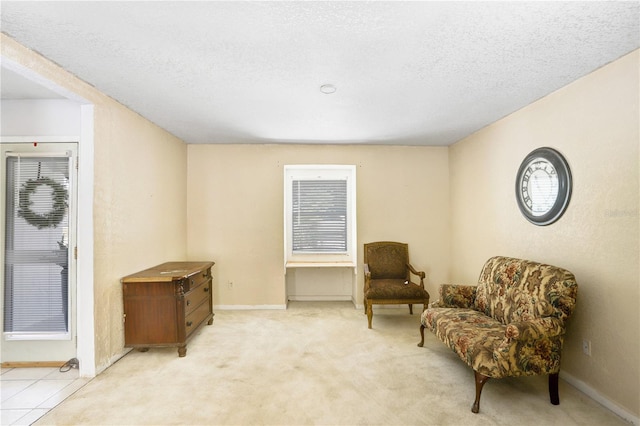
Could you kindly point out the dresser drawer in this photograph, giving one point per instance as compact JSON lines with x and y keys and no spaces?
{"x":196,"y":317}
{"x":196,"y":279}
{"x":193,"y":298}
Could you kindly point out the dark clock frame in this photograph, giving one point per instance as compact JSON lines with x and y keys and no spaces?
{"x":564,"y":186}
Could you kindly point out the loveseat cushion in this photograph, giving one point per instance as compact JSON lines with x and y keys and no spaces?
{"x":486,"y":346}
{"x":469,"y":333}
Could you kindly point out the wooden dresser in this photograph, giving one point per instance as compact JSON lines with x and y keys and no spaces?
{"x":164,"y":305}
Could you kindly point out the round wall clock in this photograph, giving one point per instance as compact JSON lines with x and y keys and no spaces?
{"x":543,"y":186}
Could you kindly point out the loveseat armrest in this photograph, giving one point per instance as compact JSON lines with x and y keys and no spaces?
{"x":456,"y":296}
{"x":535,"y":329}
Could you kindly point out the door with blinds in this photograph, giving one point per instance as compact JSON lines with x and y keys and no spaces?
{"x":38,"y":242}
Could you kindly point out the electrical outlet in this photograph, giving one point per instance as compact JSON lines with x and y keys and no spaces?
{"x":586,"y":347}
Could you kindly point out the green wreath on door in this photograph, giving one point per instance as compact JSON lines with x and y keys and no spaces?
{"x":59,"y":204}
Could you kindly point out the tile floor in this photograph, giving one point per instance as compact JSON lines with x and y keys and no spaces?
{"x":28,"y":393}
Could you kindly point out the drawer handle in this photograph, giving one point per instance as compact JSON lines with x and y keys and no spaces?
{"x":189,"y":323}
{"x":188,"y":302}
{"x":206,"y":289}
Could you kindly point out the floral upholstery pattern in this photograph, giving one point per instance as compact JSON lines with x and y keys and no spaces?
{"x":490,"y":347}
{"x":455,"y":296}
{"x":511,"y":324}
{"x":512,"y":290}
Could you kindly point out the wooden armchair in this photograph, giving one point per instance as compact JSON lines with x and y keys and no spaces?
{"x":387,"y":277}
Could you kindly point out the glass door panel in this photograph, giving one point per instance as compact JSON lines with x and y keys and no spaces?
{"x":38,"y":235}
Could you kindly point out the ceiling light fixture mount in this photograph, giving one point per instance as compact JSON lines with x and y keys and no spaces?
{"x":328,"y":89}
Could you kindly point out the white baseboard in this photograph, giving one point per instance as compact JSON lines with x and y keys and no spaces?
{"x":284,"y":307}
{"x":335,"y":298}
{"x":596,"y":396}
{"x":305,"y":299}
{"x":247,"y":307}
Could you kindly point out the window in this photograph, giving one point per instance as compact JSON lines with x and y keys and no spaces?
{"x":320,"y":215}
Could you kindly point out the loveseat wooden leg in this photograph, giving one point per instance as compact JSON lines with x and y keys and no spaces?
{"x":421,"y":344}
{"x":410,"y":309}
{"x":553,"y":389}
{"x":480,"y":381}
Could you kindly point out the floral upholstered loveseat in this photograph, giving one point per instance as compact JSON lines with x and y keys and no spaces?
{"x":511,"y":324}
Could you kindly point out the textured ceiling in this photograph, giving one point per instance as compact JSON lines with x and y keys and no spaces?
{"x":413,"y":73}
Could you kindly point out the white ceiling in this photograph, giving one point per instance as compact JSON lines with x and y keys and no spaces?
{"x":412,"y":73}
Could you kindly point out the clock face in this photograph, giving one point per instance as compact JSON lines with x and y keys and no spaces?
{"x":543,"y":186}
{"x":539,"y":186}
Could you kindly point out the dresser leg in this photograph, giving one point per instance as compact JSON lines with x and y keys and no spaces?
{"x":182,"y":351}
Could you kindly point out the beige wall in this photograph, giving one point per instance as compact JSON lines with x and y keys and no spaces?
{"x":139,"y":197}
{"x":236,"y":218}
{"x":594,"y":123}
{"x":139,"y":211}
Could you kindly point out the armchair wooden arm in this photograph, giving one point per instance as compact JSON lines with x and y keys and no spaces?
{"x":420,"y":274}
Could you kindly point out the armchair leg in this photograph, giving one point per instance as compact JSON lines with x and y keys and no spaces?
{"x":410,"y":309}
{"x":369,"y":306}
{"x":480,"y":381}
{"x":553,"y":389}
{"x":421,"y":344}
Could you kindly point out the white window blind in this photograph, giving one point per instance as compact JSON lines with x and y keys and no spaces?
{"x":36,"y":297}
{"x":319,"y":209}
{"x":320,"y":215}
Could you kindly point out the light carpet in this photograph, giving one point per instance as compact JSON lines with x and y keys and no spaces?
{"x":314,"y":364}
